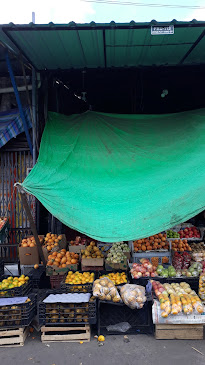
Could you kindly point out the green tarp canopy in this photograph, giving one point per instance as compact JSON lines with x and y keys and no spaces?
{"x":121,"y":177}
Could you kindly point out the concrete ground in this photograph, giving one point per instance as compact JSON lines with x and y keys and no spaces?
{"x":142,"y":349}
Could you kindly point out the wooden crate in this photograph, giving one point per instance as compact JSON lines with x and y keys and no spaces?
{"x":66,"y":334}
{"x":13,"y":337}
{"x":179,"y":331}
{"x":92,"y":268}
{"x":92,"y":262}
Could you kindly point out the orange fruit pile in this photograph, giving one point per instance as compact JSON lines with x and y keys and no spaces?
{"x":52,"y":240}
{"x":165,"y":260}
{"x":155,"y":261}
{"x":80,"y":278}
{"x":152,"y":243}
{"x":180,"y":245}
{"x":62,"y":258}
{"x":30,"y":242}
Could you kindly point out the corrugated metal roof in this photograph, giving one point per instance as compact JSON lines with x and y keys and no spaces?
{"x":13,"y":54}
{"x":94,"y":45}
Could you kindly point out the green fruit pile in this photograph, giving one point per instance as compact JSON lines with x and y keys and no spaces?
{"x":166,"y":273}
{"x":172,"y":234}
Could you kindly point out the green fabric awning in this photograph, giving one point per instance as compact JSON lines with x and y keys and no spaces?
{"x":78,"y":46}
{"x":119,"y":177}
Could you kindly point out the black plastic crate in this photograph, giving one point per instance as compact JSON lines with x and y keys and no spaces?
{"x":19,"y":291}
{"x":39,"y":278}
{"x":18,"y":315}
{"x":1,"y":269}
{"x":66,"y":313}
{"x":140,"y":320}
{"x":56,"y":280}
{"x":77,"y":288}
{"x":104,"y":272}
{"x":4,"y":232}
{"x":1,"y":274}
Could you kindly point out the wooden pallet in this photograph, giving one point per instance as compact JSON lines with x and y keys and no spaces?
{"x":13,"y":337}
{"x":179,"y":331}
{"x":73,"y":334}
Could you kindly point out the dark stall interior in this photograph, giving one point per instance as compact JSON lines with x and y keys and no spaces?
{"x":128,"y":91}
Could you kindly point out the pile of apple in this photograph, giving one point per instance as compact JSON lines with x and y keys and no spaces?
{"x":2,"y":222}
{"x":144,"y":269}
{"x":190,"y":232}
{"x":78,"y":241}
{"x":158,"y":288}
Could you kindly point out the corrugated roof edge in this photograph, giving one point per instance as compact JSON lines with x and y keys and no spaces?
{"x":6,"y":41}
{"x":7,"y":29}
{"x":112,"y":24}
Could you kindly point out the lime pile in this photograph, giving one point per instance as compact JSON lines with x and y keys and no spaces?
{"x":13,"y":282}
{"x":172,"y":234}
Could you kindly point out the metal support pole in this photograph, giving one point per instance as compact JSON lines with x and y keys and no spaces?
{"x":34,"y":104}
{"x":34,"y":113}
{"x":18,"y":101}
{"x":33,"y":226}
{"x":33,"y":17}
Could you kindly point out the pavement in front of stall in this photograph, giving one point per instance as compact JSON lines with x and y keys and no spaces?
{"x":142,"y":349}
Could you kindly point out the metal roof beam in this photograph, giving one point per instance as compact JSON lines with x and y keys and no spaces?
{"x":17,"y":46}
{"x":104,"y":47}
{"x":192,"y":47}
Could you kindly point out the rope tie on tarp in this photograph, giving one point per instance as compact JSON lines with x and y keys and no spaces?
{"x":20,"y":187}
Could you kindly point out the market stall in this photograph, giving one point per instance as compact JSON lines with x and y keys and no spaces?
{"x":150,"y":279}
{"x":124,"y":182}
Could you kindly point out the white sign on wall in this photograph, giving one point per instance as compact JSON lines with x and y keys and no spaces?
{"x":156,"y":29}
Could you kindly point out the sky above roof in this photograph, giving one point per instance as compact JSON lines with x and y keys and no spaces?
{"x":84,"y":11}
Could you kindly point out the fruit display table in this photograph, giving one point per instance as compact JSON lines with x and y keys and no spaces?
{"x":179,"y":331}
{"x":139,"y":294}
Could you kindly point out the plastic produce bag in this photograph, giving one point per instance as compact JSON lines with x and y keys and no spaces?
{"x":197,"y":304}
{"x":104,"y":289}
{"x":177,"y":261}
{"x":119,"y":327}
{"x":202,"y":286}
{"x":198,"y":256}
{"x":186,"y":304}
{"x":181,"y":261}
{"x":186,"y":260}
{"x":133,"y":295}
